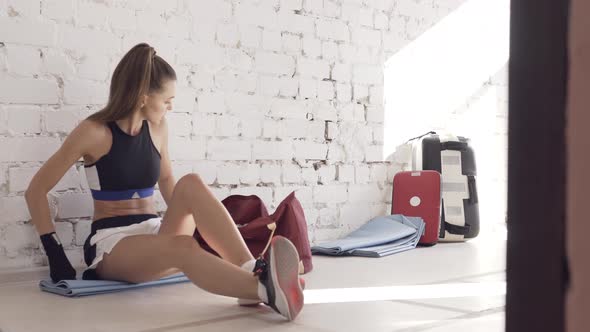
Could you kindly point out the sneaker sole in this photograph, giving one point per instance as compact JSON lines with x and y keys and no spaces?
{"x":255,"y":303}
{"x":288,"y":292}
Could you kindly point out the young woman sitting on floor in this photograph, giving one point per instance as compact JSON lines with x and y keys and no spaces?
{"x":125,"y":152}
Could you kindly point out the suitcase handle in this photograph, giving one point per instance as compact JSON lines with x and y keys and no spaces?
{"x":472,"y":189}
{"x":456,"y":146}
{"x":428,"y":133}
{"x":443,"y":222}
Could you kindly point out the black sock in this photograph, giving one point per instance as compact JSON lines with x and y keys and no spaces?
{"x":60,"y":267}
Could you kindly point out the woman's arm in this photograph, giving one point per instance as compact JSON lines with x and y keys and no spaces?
{"x":75,"y":146}
{"x":166,"y":182}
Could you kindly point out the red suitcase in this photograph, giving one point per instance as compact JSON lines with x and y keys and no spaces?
{"x":418,"y":194}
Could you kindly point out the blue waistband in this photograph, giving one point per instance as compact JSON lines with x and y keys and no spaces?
{"x":119,"y":195}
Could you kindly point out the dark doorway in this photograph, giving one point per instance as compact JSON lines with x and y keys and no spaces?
{"x":536,"y":264}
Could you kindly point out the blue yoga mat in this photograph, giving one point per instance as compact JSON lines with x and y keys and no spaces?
{"x":77,"y":288}
{"x":381,"y":236}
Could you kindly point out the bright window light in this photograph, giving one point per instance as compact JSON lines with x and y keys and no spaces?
{"x":437,"y":72}
{"x":412,"y":292}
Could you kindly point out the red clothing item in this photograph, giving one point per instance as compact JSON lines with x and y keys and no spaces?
{"x":255,"y":225}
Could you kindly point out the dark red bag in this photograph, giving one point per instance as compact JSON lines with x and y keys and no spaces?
{"x":256,"y":225}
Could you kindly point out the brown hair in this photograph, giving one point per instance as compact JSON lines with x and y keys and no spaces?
{"x":139,"y":72}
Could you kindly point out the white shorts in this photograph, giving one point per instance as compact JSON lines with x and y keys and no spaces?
{"x":104,"y":240}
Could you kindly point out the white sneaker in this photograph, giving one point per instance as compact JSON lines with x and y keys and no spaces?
{"x":280,"y":278}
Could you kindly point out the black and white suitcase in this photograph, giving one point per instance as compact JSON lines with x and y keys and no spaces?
{"x":453,"y":157}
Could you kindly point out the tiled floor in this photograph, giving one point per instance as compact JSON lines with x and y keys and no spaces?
{"x":184,"y":307}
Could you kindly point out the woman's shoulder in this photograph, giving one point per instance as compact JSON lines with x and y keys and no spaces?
{"x":89,"y":134}
{"x":86,"y":138}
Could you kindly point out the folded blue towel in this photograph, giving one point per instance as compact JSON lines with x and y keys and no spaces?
{"x":381,"y":236}
{"x":77,"y":288}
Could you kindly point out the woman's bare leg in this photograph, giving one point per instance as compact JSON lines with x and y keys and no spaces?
{"x":142,"y":258}
{"x":193,"y":198}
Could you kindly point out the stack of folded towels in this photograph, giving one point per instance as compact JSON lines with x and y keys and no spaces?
{"x":381,"y":236}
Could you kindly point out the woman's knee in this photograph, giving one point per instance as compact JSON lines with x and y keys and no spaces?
{"x":189,"y":182}
{"x":191,"y":179}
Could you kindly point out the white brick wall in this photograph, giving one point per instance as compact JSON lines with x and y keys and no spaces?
{"x":271,"y":63}
{"x":20,"y":177}
{"x":330,"y":194}
{"x":20,"y":120}
{"x":18,"y":90}
{"x":15,"y":149}
{"x":23,"y":60}
{"x":30,"y":32}
{"x":249,"y":174}
{"x":62,"y":120}
{"x":270,"y":174}
{"x":229,"y":150}
{"x":18,"y":238}
{"x":74,"y":205}
{"x":333,"y":30}
{"x":272,"y":96}
{"x":228,"y":174}
{"x":14,"y":209}
{"x":84,"y":92}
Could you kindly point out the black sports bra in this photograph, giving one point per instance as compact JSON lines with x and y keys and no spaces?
{"x":129,"y":170}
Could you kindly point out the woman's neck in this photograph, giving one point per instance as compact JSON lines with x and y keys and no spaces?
{"x":131,"y":125}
